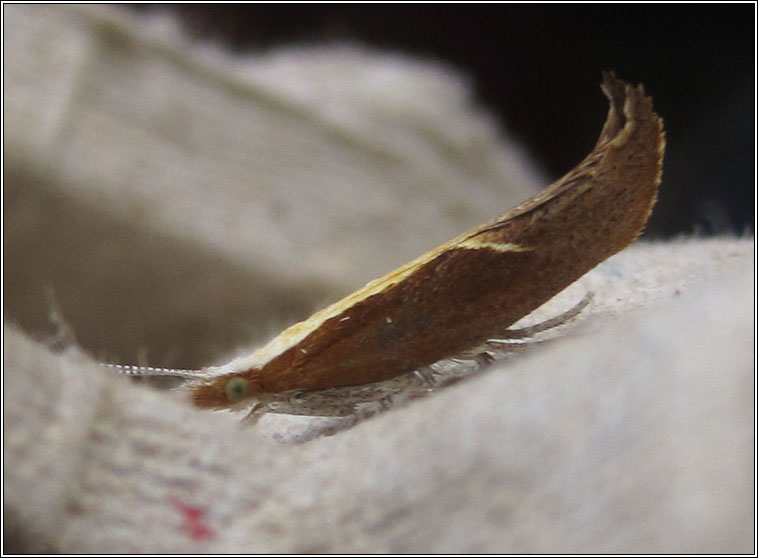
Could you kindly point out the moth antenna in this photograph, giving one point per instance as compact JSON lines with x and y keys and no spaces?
{"x":133,"y":370}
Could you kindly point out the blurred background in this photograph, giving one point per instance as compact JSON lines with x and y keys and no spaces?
{"x":537,"y":68}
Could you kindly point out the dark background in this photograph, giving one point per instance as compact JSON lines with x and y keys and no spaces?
{"x":537,"y":68}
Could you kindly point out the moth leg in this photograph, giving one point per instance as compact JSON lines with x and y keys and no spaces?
{"x":385,"y":403}
{"x":324,"y":409}
{"x":255,"y":413}
{"x":314,"y":403}
{"x":426,"y":375}
{"x":293,"y":407}
{"x":484,"y":358}
{"x":509,"y":346}
{"x":520,"y":339}
{"x":556,"y":321}
{"x":344,"y":401}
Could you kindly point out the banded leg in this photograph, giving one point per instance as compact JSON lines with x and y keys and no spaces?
{"x":560,"y":319}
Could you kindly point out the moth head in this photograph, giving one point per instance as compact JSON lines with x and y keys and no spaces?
{"x":229,"y":391}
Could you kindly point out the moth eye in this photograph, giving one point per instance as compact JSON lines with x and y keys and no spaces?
{"x":236,"y":389}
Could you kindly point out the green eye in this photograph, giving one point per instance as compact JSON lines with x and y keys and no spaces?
{"x":236,"y":389}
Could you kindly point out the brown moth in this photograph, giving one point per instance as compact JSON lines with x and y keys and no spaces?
{"x":464,"y":292}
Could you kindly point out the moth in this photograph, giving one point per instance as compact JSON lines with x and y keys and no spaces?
{"x":460,"y":294}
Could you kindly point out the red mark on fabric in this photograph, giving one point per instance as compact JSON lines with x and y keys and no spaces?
{"x":194,"y":524}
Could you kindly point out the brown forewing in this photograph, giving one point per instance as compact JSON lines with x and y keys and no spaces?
{"x":477,"y":285}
